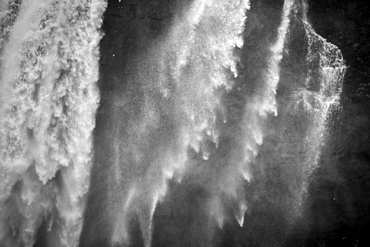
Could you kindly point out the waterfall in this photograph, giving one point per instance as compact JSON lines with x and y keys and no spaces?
{"x":48,"y":99}
{"x":264,"y":102}
{"x":175,"y":102}
{"x":187,"y":114}
{"x":227,"y":172}
{"x":310,"y":106}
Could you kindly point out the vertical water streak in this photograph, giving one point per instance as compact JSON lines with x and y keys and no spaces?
{"x":49,"y":67}
{"x":224,"y":175}
{"x":263,"y":103}
{"x":179,"y":105}
{"x":313,"y":102}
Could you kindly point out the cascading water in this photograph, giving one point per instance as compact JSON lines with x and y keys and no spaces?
{"x":177,"y":108}
{"x":182,"y":113}
{"x":309,"y":106}
{"x":49,"y":65}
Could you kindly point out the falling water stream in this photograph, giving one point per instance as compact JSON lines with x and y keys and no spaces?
{"x":177,"y":119}
{"x":49,"y":67}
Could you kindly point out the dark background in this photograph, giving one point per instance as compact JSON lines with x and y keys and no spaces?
{"x":337,"y":205}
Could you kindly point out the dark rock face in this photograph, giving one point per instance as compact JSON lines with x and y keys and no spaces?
{"x":336,"y":208}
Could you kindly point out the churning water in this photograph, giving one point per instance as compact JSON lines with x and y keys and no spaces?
{"x":185,"y":115}
{"x":49,"y":68}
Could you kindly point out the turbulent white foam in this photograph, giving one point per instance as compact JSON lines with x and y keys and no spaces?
{"x":206,"y":46}
{"x":171,"y":108}
{"x":48,"y":103}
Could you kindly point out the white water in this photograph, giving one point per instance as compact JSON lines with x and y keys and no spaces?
{"x":311,"y":105}
{"x":48,"y":100}
{"x":167,"y":124}
{"x":227,"y":173}
{"x":263,"y":102}
{"x":188,"y":72}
